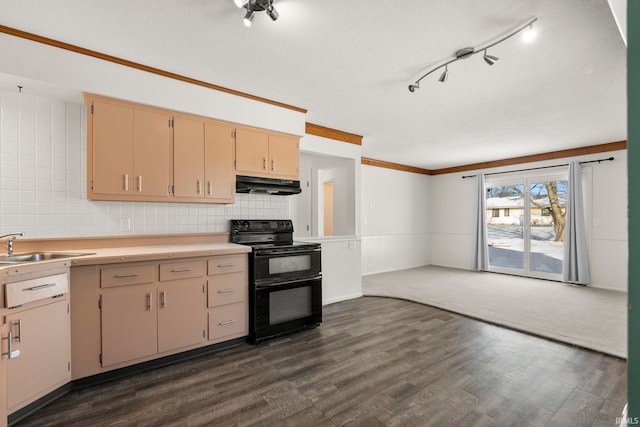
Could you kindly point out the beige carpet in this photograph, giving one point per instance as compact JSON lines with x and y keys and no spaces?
{"x":587,"y":317}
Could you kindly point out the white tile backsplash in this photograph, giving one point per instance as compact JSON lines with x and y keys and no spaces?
{"x":43,"y":182}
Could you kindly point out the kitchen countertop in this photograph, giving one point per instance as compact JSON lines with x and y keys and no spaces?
{"x":125,"y":254}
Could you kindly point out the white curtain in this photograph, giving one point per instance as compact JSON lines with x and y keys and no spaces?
{"x":482,"y":250}
{"x":575,"y":267}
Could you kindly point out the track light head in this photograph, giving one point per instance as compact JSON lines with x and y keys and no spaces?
{"x":254,"y":6}
{"x":272,"y":12}
{"x":445,"y":75}
{"x":248,"y":18}
{"x":413,"y":88}
{"x":489,"y":59}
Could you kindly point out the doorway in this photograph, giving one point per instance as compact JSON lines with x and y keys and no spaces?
{"x":525,"y":225}
{"x":328,"y":208}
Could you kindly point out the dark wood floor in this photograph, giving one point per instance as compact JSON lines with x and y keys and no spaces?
{"x":373,"y":362}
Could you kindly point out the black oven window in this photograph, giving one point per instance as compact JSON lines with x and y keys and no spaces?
{"x":290,"y":304}
{"x":289,"y":264}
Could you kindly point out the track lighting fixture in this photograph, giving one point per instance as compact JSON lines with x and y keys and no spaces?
{"x":253,"y":6}
{"x":489,"y":59}
{"x":248,"y":18}
{"x":445,"y":75}
{"x":467,"y":52}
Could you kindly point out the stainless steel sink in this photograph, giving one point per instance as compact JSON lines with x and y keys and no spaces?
{"x":38,"y":256}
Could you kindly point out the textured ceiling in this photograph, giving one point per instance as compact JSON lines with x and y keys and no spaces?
{"x":349,"y":64}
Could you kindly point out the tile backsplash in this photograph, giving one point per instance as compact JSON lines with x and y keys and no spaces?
{"x":43,"y":182}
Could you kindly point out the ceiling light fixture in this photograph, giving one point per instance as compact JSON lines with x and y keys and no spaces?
{"x":253,"y":6}
{"x":489,"y":59}
{"x":445,"y":75}
{"x":467,"y":52}
{"x":248,"y":18}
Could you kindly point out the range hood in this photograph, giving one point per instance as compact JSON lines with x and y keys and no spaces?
{"x":278,"y":187}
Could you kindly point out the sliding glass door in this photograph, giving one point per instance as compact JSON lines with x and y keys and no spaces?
{"x":525,"y":225}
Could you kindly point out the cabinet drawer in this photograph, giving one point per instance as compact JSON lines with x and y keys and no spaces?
{"x":126,"y":275}
{"x":181,"y":270}
{"x":228,"y":320}
{"x":227,"y":264}
{"x":227,"y":289}
{"x":26,"y":291}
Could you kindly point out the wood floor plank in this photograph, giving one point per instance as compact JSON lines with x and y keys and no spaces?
{"x":373,"y":362}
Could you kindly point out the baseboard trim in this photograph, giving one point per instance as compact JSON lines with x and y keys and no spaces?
{"x":342,"y":298}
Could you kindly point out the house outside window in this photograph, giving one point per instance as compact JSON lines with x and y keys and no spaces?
{"x":506,"y":211}
{"x":546,"y":212}
{"x":495,"y":213}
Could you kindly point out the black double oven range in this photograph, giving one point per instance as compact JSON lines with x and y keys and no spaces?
{"x":285,"y":278}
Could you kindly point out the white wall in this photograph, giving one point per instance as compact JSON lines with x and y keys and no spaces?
{"x":452,"y":206}
{"x":43,"y":184}
{"x":341,"y":272}
{"x":395,"y":219}
{"x":78,"y":72}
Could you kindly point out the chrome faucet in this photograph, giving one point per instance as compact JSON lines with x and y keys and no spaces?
{"x":11,"y":238}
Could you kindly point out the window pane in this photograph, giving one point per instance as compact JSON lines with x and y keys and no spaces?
{"x":505,"y":233}
{"x":548,"y":208}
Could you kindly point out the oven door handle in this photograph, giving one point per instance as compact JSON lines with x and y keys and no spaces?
{"x":269,"y":253}
{"x":288,"y":282}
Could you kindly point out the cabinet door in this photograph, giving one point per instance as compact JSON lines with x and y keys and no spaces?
{"x":181,"y":315}
{"x":218,"y":161}
{"x":4,"y":358}
{"x":41,"y":335}
{"x":112,"y":148}
{"x":188,"y":158}
{"x":252,"y":151}
{"x":284,"y":156}
{"x":151,"y":153}
{"x":129,"y":325}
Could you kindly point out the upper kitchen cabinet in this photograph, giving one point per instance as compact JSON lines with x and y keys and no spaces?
{"x":188,"y":158}
{"x":267,"y":154}
{"x":129,"y":151}
{"x":203,"y":160}
{"x":218,"y":162}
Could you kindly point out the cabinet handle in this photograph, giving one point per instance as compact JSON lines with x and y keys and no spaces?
{"x":273,"y":164}
{"x":149,"y":302}
{"x":9,"y":339}
{"x":140,"y":183}
{"x":163,"y":302}
{"x":209,"y":188}
{"x":227,"y":322}
{"x":180,"y":270}
{"x":126,"y":275}
{"x":37,"y":288}
{"x":225,"y":265}
{"x":126,"y":182}
{"x":19,"y":336}
{"x":199,"y":187}
{"x":226,"y":291}
{"x":264,"y":163}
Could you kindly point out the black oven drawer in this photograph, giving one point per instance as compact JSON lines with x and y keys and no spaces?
{"x":286,"y":265}
{"x":286,"y":307}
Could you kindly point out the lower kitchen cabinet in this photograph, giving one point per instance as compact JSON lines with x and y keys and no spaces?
{"x":40,"y":345}
{"x":129,"y":324}
{"x":4,"y":359}
{"x":128,"y":313}
{"x":227,"y":302}
{"x":180,"y":315}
